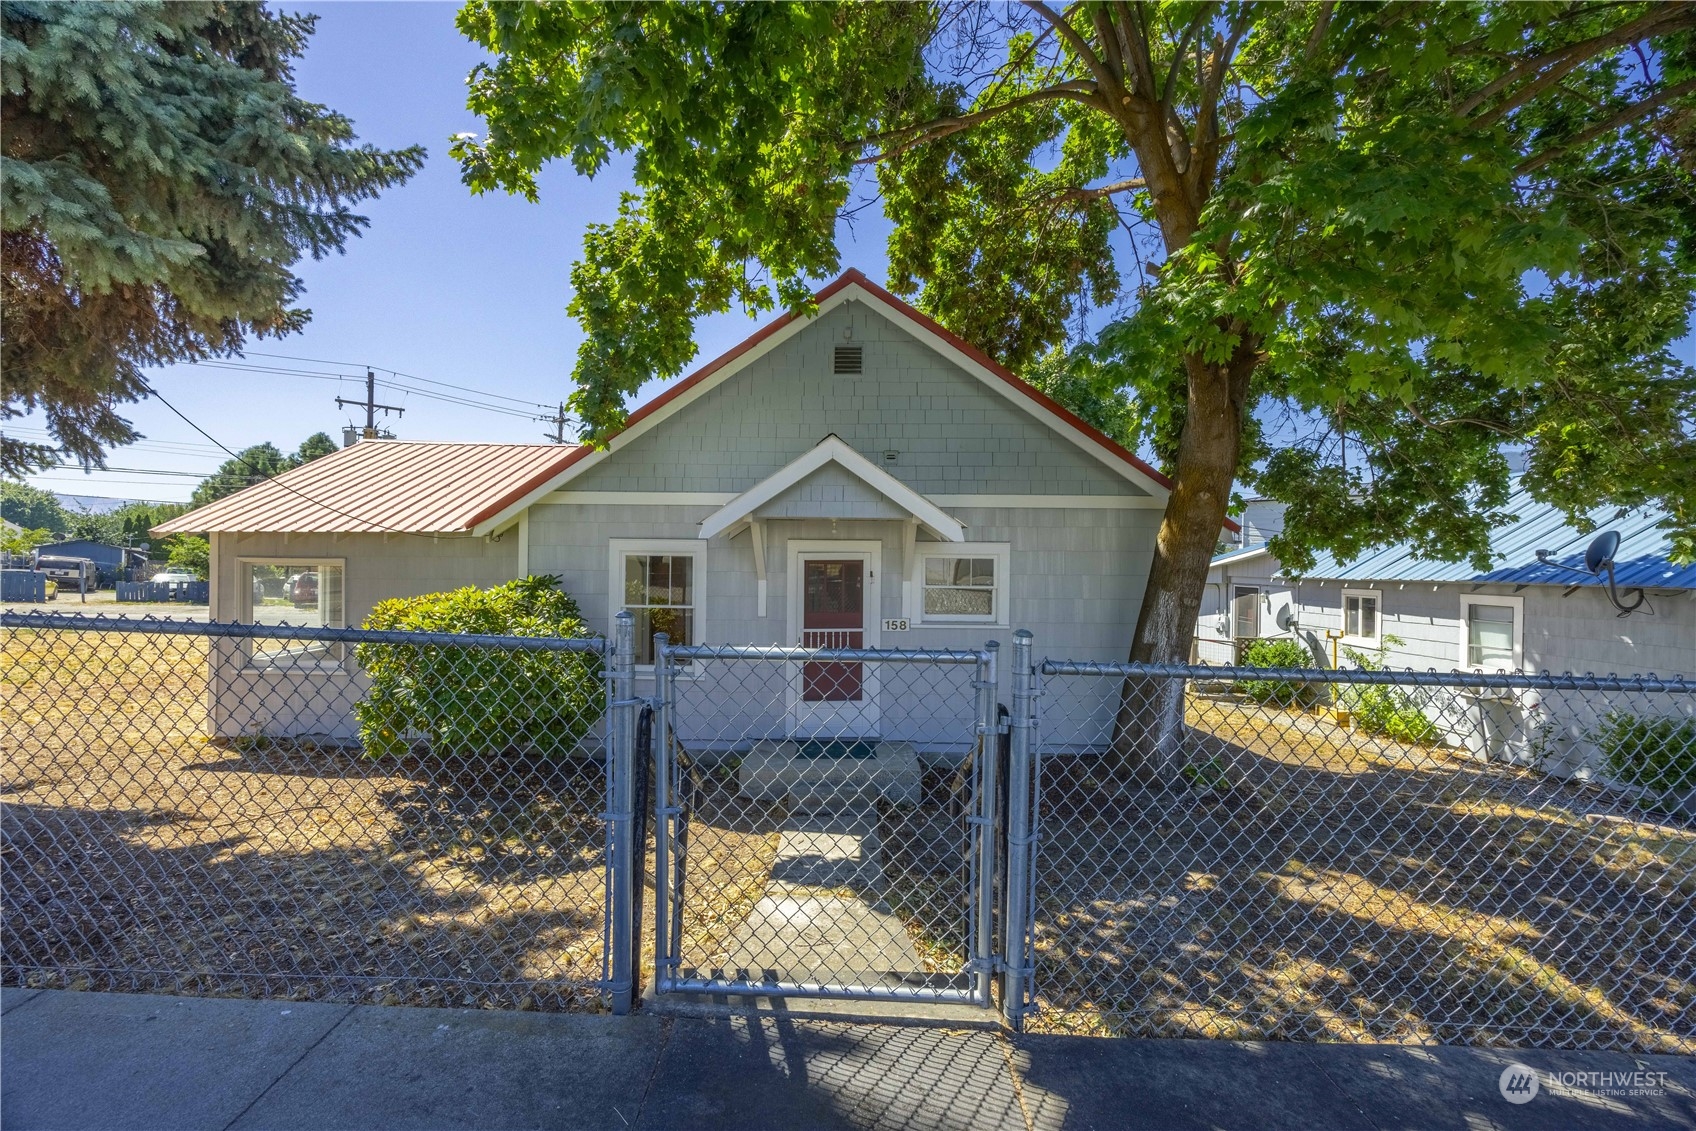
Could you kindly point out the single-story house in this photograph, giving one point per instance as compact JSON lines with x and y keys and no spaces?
{"x":856,"y":477}
{"x":1521,"y":615}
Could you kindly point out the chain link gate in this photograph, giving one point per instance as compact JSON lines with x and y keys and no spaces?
{"x":825,"y":822}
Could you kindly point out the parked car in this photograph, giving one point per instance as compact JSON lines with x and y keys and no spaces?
{"x":303,"y":590}
{"x":174,"y":577}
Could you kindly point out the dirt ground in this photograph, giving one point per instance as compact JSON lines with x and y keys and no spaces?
{"x":139,"y":855}
{"x":1320,"y":884}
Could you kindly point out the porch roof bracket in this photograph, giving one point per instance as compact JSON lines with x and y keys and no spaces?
{"x":757,"y":531}
{"x":832,"y":449}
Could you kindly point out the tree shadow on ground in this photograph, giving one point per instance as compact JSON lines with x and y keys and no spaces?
{"x":427,"y":913}
{"x":1387,"y":892}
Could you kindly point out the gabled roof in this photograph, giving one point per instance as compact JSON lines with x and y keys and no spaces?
{"x":382,"y":486}
{"x":833,"y":450}
{"x":1644,"y":555}
{"x":1242,"y":555}
{"x":852,"y":284}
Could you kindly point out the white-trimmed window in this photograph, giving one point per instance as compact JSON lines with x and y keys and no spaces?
{"x":960,"y":583}
{"x":302,"y":592}
{"x":1362,"y":609}
{"x":1492,"y":632}
{"x":1245,"y":611}
{"x":659,"y":584}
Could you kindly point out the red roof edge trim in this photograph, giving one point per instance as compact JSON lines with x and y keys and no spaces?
{"x":851,"y":277}
{"x":523,"y":489}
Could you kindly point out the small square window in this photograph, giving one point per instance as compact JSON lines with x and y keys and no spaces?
{"x":1360,"y":614}
{"x":1490,"y":637}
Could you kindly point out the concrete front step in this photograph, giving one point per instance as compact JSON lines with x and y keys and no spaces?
{"x":775,"y":770}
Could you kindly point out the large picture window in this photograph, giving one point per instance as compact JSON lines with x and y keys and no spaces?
{"x":299,"y":592}
{"x":961,"y":583}
{"x":659,"y":585}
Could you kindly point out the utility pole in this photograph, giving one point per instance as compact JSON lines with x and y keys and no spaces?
{"x":558,"y":421}
{"x":370,"y":405}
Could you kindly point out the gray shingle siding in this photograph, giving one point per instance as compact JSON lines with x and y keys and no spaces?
{"x":955,"y":435}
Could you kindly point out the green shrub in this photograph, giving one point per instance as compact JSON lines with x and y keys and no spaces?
{"x":1277,"y":654}
{"x":479,"y":700}
{"x":1389,"y":711}
{"x":1382,"y":708}
{"x":1657,"y":753}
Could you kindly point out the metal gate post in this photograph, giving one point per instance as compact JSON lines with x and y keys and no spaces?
{"x":984,"y":950}
{"x":622,"y":868}
{"x":665,"y":967}
{"x":1017,"y":915}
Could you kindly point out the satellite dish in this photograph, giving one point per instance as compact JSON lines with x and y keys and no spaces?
{"x":1286,"y":619}
{"x":1601,"y":553}
{"x":1599,"y":562}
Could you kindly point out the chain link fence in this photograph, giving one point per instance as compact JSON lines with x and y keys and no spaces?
{"x":334,"y":815}
{"x":1366,"y":856}
{"x":1154,"y":851}
{"x":826,"y":816}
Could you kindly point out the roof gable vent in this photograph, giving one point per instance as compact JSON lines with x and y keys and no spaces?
{"x":848,"y":359}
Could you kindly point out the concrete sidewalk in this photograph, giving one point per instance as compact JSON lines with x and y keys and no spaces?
{"x":118,"y":1061}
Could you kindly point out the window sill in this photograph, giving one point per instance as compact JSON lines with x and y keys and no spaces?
{"x":318,"y":668}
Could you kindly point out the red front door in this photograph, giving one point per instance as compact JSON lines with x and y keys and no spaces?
{"x":833,"y":615}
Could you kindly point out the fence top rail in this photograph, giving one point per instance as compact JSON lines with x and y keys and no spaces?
{"x":687,"y":652}
{"x":1481,"y":681}
{"x":232,"y":630}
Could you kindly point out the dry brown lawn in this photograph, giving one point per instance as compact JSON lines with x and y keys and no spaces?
{"x":1343,"y":887}
{"x":139,"y":855}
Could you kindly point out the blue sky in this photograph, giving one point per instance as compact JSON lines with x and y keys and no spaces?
{"x":443,"y":285}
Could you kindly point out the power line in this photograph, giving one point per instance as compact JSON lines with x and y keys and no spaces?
{"x":370,"y":405}
{"x":267,"y":477}
{"x":279,"y":371}
{"x":398,"y":373}
{"x":558,"y":421}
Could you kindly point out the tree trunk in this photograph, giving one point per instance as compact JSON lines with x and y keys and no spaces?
{"x":1148,"y":730}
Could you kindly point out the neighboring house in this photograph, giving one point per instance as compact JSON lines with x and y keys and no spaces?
{"x":1520,"y":615}
{"x":1261,"y":519}
{"x":863,"y":454}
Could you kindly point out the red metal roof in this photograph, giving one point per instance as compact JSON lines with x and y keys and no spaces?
{"x":383,"y":486}
{"x":451,"y":487}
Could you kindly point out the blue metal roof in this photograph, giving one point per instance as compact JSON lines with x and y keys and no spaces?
{"x":1644,"y":553}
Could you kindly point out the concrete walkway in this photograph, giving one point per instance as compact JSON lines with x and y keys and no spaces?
{"x":822,"y":916}
{"x":121,"y":1061}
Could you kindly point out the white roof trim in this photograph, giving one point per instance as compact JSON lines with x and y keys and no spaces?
{"x":977,"y":369}
{"x":832,"y":449}
{"x":853,"y":292}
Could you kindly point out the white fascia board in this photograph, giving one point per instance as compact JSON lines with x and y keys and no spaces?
{"x":999,"y":384}
{"x":833,"y":449}
{"x":684,"y":400}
